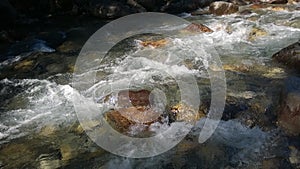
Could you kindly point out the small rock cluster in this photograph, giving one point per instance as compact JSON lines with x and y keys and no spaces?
{"x":134,"y":108}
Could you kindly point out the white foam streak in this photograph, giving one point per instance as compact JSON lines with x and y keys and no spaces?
{"x":48,"y":103}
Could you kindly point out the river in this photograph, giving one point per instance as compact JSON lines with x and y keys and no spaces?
{"x":39,"y":126}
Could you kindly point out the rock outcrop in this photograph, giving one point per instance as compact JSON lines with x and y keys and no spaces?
{"x":196,"y":28}
{"x":290,"y":56}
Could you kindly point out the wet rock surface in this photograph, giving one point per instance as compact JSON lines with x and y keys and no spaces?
{"x":154,"y":44}
{"x":135,"y":108}
{"x":223,"y":8}
{"x":57,"y":151}
{"x":289,"y":56}
{"x":294,"y":156}
{"x":256,"y":33}
{"x":196,"y":28}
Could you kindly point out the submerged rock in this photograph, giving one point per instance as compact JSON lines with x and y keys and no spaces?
{"x":25,"y":65}
{"x":135,"y":108}
{"x":274,"y":72}
{"x":289,"y":111}
{"x":258,"y":6}
{"x":185,"y":113}
{"x":133,"y":98}
{"x":48,"y":131}
{"x":289,"y":56}
{"x":68,"y":151}
{"x":48,"y":161}
{"x":237,"y":68}
{"x":294,"y":156}
{"x":55,"y":68}
{"x":155,"y":44}
{"x":256,"y":33}
{"x":277,"y":8}
{"x":124,"y":120}
{"x":223,"y":8}
{"x":118,"y":122}
{"x":295,"y":23}
{"x":15,"y":155}
{"x":140,"y":114}
{"x":274,"y":163}
{"x":196,"y":27}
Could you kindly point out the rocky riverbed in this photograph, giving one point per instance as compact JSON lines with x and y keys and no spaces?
{"x":258,"y":44}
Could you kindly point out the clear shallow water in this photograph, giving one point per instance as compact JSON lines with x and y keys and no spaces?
{"x":247,"y":148}
{"x":29,"y":105}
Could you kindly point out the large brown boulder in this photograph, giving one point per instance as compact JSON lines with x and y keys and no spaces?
{"x":289,"y":111}
{"x":223,"y":8}
{"x":289,"y":56}
{"x":196,"y":28}
{"x":133,"y":98}
{"x":134,"y":108}
{"x":123,"y":119}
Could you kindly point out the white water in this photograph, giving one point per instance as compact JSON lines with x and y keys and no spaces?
{"x":43,"y":102}
{"x":40,"y":103}
{"x":247,"y":146}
